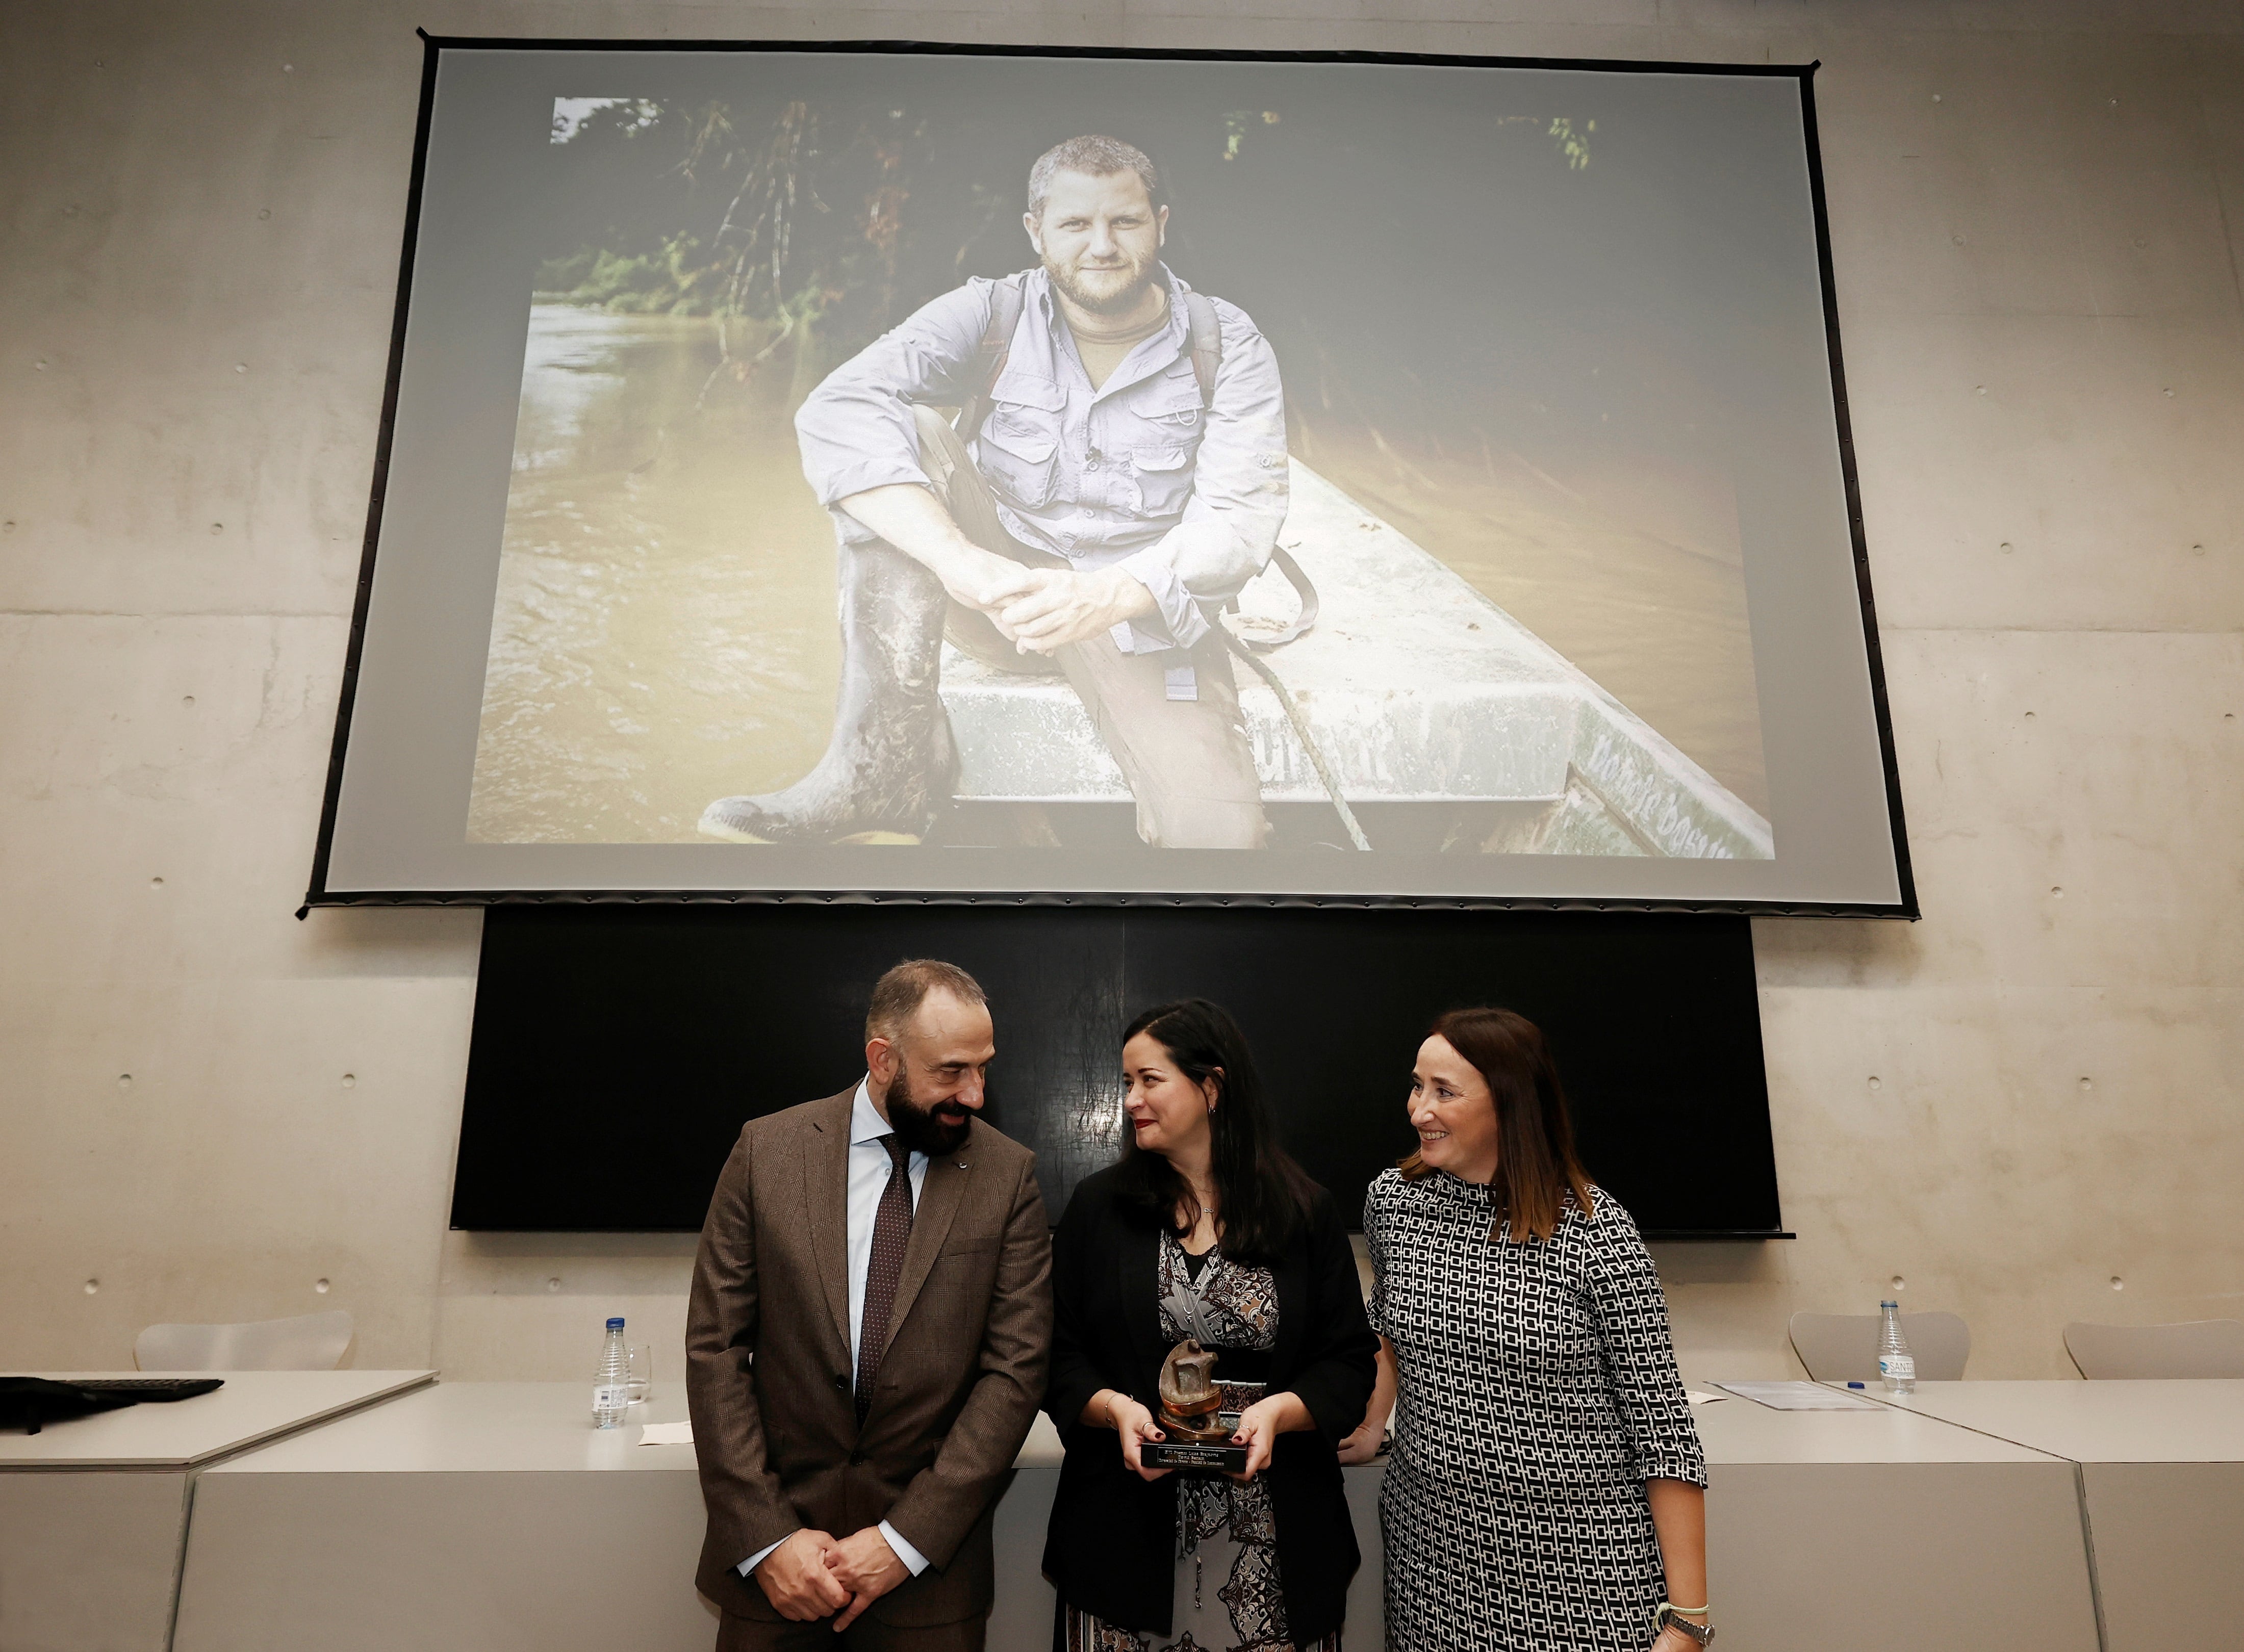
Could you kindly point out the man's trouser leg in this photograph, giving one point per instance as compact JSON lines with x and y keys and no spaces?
{"x":867,"y":1633}
{"x":1186,"y":762}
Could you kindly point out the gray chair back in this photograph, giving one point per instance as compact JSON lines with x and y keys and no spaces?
{"x":1843,"y":1347}
{"x":308,"y":1342}
{"x":2194,"y":1348}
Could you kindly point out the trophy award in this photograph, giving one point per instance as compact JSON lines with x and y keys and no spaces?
{"x":1198,"y":1413}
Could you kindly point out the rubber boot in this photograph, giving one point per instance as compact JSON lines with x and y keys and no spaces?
{"x":891,"y":766}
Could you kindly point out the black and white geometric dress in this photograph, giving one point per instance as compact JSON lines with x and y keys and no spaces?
{"x":1538,"y":1393}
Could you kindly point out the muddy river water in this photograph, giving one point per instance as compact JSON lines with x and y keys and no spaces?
{"x":665,"y":632}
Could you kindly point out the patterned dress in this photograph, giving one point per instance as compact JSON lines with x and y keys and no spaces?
{"x":1538,"y":1393}
{"x":1227,"y":1596}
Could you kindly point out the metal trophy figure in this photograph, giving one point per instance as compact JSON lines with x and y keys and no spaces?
{"x":1189,"y":1400}
{"x":1192,"y":1413}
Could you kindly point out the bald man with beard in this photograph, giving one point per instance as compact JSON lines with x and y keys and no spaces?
{"x":867,"y":1342}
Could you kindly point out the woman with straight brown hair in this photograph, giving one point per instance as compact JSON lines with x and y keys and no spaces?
{"x":1547,"y":1491}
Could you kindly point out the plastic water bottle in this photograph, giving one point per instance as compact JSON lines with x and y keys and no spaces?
{"x":1896,"y":1365}
{"x":612,"y":1382}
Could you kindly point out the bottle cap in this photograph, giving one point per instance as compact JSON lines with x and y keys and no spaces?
{"x":1882,"y":1306}
{"x":1856,"y":1384}
{"x":615,"y":1324}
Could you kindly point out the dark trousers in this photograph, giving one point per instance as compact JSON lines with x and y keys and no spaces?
{"x":867,"y":1633}
{"x":1188,"y":762}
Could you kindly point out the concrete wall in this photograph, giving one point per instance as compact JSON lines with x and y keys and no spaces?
{"x":2024,"y":1107}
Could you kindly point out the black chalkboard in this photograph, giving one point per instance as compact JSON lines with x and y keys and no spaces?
{"x":616,"y":1049}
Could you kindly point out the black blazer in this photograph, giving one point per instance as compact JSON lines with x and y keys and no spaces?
{"x":1111,"y":1548}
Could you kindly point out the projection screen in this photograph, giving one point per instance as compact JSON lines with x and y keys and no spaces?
{"x":930,"y":474}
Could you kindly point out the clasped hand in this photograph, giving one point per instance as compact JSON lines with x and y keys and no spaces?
{"x":1362,"y":1445}
{"x":1041,"y":610}
{"x":812,"y":1574}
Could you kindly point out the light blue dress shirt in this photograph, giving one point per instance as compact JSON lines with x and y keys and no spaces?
{"x":1132,"y":474}
{"x":869,"y":1166}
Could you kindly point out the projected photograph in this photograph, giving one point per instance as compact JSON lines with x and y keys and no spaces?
{"x":1258,"y":488}
{"x":957,"y":472}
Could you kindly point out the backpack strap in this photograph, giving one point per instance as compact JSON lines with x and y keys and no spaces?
{"x":1007,"y":300}
{"x":1207,"y":343}
{"x":1206,"y":357}
{"x":1298,"y":578}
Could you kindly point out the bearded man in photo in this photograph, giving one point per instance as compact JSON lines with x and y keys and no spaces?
{"x":1116,"y":473}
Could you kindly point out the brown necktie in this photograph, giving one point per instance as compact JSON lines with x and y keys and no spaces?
{"x":891,"y":1228}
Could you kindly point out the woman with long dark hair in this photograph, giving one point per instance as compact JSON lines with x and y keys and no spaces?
{"x":1205,"y":1228}
{"x":1546,"y":1491}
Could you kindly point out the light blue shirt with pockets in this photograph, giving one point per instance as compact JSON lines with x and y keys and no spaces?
{"x":1135,"y":473}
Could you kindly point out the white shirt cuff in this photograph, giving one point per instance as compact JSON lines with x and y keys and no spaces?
{"x":915,"y":1562}
{"x":1176,"y":610}
{"x":746,"y":1567}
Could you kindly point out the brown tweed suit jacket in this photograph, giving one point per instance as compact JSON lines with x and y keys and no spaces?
{"x":767,"y":1368}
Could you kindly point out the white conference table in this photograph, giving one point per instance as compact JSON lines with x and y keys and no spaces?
{"x":486,"y":1517}
{"x":1876,"y":1529}
{"x":94,"y":1510}
{"x":469,"y":1515}
{"x":491,"y":1516}
{"x":2161,"y":1489}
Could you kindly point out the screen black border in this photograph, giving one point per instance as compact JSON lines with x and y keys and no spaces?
{"x":319,"y":895}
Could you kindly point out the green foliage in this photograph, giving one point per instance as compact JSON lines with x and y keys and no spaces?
{"x":1574,"y":146}
{"x":806,"y":226}
{"x":1238,"y":123}
{"x":795,"y":214}
{"x":675,"y":278}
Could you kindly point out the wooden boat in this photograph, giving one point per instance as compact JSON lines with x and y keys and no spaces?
{"x":1447,"y":722}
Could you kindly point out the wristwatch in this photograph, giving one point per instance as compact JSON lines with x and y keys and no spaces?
{"x":1667,"y":1617}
